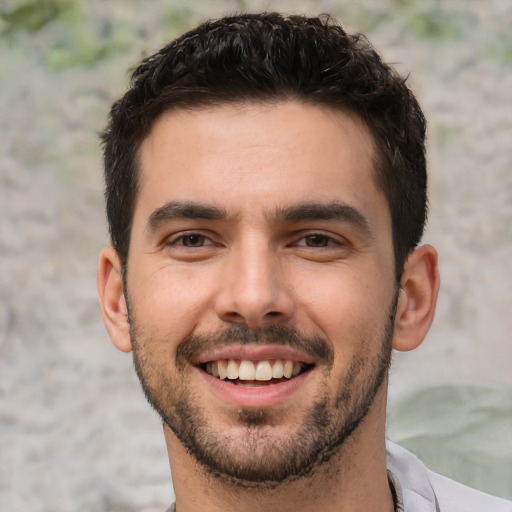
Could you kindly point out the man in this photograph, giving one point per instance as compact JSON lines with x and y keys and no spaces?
{"x":266,"y":195}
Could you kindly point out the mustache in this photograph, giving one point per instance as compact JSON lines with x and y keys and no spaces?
{"x":317,"y":347}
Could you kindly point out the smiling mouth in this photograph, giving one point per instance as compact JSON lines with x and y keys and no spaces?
{"x":255,"y":373}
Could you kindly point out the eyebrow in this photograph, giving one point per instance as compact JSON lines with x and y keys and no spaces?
{"x":322,"y":211}
{"x":178,"y":210}
{"x":175,"y":210}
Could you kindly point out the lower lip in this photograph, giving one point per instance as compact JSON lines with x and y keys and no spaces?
{"x":254,"y":397}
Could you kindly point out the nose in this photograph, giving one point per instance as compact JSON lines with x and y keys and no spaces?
{"x":254,"y":289}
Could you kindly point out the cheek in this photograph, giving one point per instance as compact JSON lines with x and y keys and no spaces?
{"x":169,"y":303}
{"x":347,"y":307}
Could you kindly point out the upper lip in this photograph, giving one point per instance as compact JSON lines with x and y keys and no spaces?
{"x":255,"y":353}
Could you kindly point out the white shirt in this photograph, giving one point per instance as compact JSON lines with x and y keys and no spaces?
{"x":420,"y":490}
{"x":417,"y":489}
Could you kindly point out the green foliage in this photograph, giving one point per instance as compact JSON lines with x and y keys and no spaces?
{"x":430,"y":19}
{"x":500,"y":49}
{"x":81,"y":47}
{"x":402,"y":3}
{"x":178,"y":20}
{"x":433,"y":24}
{"x":420,"y":19}
{"x":31,"y":15}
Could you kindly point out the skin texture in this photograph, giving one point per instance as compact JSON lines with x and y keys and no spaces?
{"x":250,"y":219}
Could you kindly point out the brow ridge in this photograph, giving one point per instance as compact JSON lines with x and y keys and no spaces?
{"x":334,"y":210}
{"x":311,"y":210}
{"x":175,"y":210}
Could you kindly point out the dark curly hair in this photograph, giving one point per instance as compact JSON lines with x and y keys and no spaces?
{"x":271,"y":57}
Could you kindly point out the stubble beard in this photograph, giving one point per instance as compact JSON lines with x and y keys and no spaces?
{"x":256,"y":457}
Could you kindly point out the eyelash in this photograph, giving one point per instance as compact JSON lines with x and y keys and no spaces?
{"x":180,"y":240}
{"x":329,"y":240}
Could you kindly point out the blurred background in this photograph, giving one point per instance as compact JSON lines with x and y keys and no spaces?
{"x":75,"y":431}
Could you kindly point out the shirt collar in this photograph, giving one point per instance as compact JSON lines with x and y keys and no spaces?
{"x":411,"y":481}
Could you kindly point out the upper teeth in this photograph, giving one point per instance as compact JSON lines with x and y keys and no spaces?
{"x":253,"y":370}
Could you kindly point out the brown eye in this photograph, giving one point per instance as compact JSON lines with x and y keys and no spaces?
{"x":193,"y":240}
{"x":316,"y":240}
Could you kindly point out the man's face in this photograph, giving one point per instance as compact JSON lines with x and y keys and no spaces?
{"x":260,"y":247}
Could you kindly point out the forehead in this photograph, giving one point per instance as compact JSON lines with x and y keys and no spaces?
{"x":257,"y":156}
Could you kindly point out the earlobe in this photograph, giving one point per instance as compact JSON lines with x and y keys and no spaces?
{"x":417,"y":298}
{"x":112,"y":300}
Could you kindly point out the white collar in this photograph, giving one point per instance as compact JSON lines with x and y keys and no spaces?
{"x":409,"y":477}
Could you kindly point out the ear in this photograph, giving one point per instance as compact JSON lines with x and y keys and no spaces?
{"x":417,"y":298}
{"x":112,"y":301}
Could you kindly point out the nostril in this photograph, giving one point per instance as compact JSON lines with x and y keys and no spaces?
{"x":234,"y":316}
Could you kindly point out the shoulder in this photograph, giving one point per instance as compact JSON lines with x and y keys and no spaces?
{"x":424,"y":490}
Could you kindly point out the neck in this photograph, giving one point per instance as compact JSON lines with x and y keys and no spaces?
{"x":354,"y":479}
